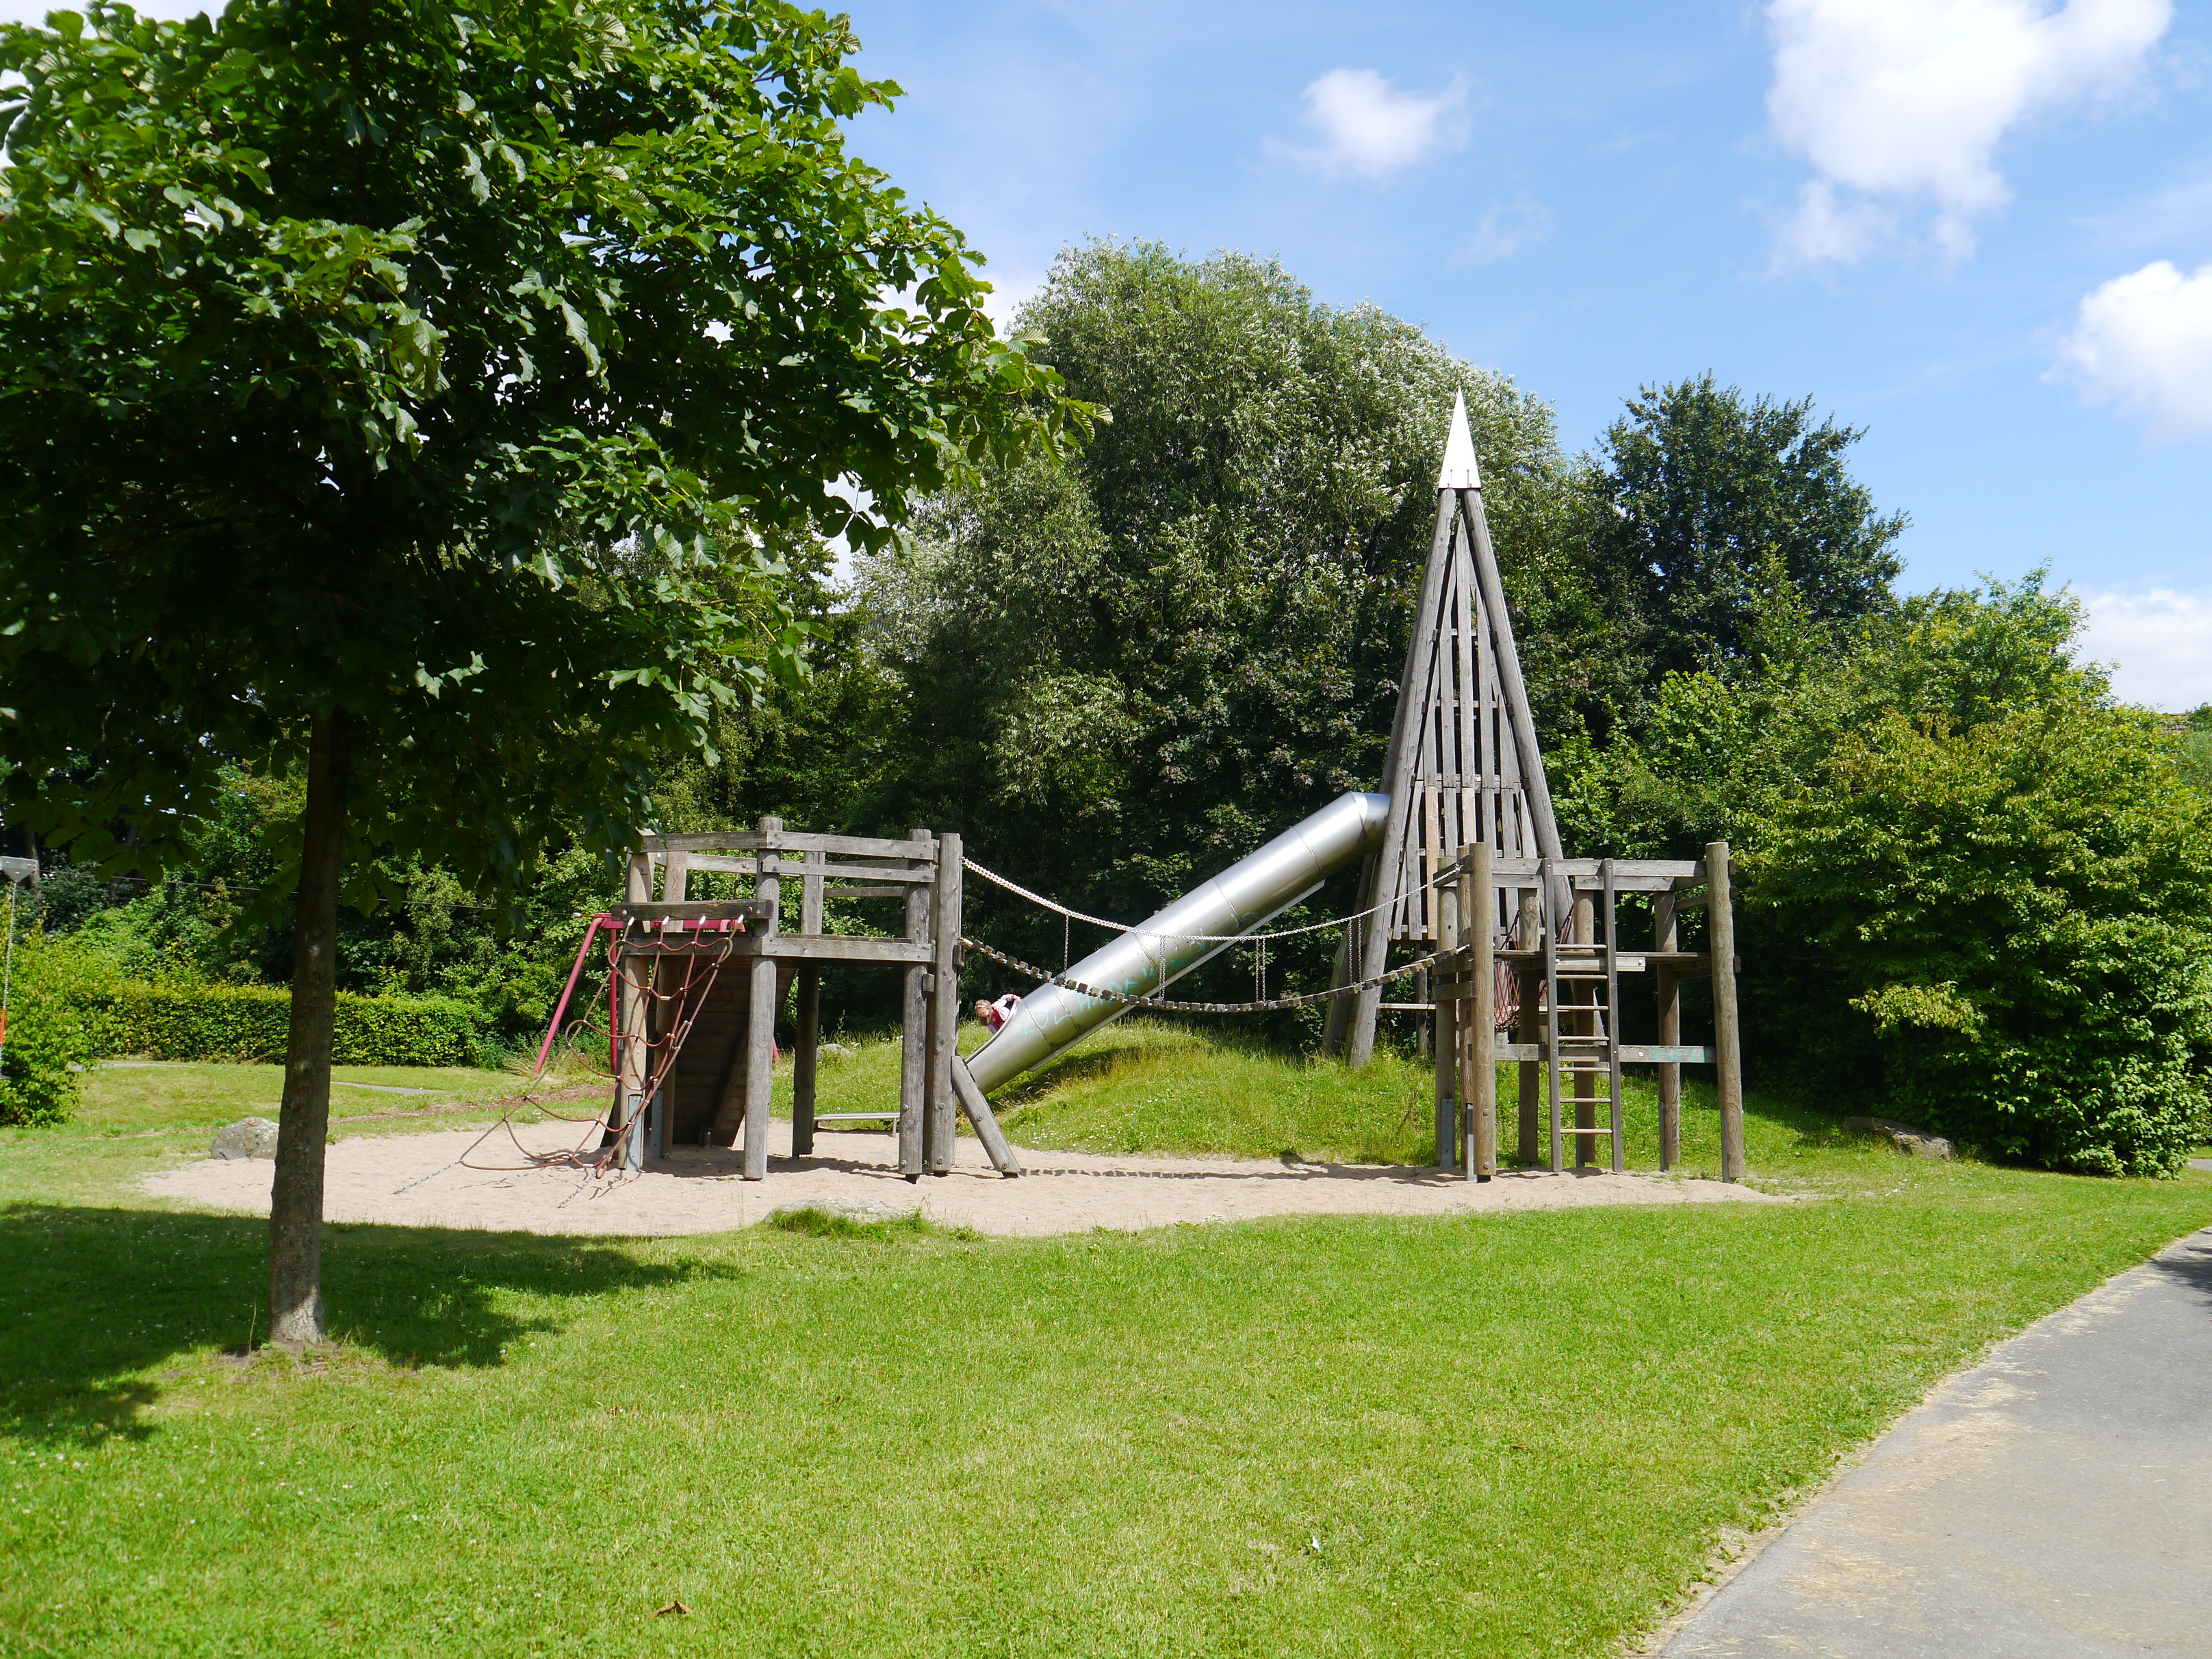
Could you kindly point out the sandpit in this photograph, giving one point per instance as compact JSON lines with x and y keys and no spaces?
{"x":415,"y":1180}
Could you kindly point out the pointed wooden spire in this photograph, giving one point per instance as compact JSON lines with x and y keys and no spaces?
{"x":1462,"y":765}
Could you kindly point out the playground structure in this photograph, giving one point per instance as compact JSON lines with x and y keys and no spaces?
{"x":697,"y":983}
{"x":1459,"y":857}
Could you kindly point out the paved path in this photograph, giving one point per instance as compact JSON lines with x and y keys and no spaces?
{"x":2057,"y":1499}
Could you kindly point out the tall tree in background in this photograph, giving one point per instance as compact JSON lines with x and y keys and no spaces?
{"x":413,"y":394}
{"x":1132,"y":670}
{"x":1720,"y":517}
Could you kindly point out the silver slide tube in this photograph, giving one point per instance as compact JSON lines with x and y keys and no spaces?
{"x":1241,"y":899}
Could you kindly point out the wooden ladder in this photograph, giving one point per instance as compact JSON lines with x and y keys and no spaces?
{"x":1587,"y":971}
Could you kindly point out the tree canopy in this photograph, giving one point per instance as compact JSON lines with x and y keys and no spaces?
{"x":421,"y":399}
{"x":1718,"y":514}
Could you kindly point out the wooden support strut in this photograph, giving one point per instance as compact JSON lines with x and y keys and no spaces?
{"x":913,"y":1031}
{"x":1666,"y":937}
{"x":1478,"y":910}
{"x":1447,"y":1045}
{"x":1727,"y":1037}
{"x":760,"y":1017}
{"x":940,"y":1138}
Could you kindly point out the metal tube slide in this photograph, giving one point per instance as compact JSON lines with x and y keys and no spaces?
{"x":1241,"y":899}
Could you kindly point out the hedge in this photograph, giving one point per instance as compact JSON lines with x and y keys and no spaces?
{"x":251,"y":1022}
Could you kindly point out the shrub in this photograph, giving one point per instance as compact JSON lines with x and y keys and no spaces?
{"x":190,"y":1021}
{"x":47,"y":1033}
{"x":2015,"y":917}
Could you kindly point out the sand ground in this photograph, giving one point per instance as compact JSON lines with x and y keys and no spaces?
{"x":420,"y":1180}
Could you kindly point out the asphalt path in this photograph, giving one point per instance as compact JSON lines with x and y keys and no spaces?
{"x":2056,"y":1500}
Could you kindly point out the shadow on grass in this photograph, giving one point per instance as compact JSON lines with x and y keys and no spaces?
{"x":100,"y":1300}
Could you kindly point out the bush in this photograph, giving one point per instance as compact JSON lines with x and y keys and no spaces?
{"x":171,"y":1021}
{"x":47,"y":1033}
{"x":2015,"y":919}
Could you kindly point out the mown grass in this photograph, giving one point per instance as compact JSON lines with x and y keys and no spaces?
{"x":1517,"y":1434}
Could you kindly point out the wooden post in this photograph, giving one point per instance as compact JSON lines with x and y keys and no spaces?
{"x":913,"y":1034}
{"x":1666,"y":936}
{"x":1447,"y":1047}
{"x":986,"y":1121}
{"x":805,"y":1054}
{"x":1719,"y":912}
{"x":804,"y":1059}
{"x":760,"y":1010}
{"x":1477,"y":909}
{"x":1527,"y":1127}
{"x":1583,"y":1000}
{"x":631,"y":1002}
{"x":940,"y":1127}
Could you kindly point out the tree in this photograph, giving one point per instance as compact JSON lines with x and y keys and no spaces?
{"x":1123,"y":673}
{"x":413,"y":397}
{"x":1718,"y":517}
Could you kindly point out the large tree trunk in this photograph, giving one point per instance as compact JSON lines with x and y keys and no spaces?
{"x":295,"y":1200}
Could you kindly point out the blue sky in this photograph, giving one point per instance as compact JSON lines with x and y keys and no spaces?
{"x":1981,"y":229}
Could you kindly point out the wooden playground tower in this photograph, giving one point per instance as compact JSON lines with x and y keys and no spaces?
{"x":1471,"y":864}
{"x":699,"y":983}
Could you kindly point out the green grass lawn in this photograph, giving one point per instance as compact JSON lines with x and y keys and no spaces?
{"x":1517,"y":1434}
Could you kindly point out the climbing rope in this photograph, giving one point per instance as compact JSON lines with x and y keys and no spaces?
{"x":1045,"y":976}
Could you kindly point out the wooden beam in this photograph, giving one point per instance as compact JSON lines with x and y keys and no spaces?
{"x":1446,"y":912}
{"x":940,"y":1130}
{"x":1525,"y":1149}
{"x":804,"y":1056}
{"x":1478,"y":908}
{"x":985,"y":1120}
{"x":1666,"y":939}
{"x":790,"y":840}
{"x":913,"y":1032}
{"x":1727,"y":1037}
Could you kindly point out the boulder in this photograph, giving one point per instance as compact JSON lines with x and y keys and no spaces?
{"x":862,"y":1210}
{"x":1913,"y":1143}
{"x":250,"y":1137}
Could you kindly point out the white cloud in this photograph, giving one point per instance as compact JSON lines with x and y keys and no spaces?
{"x":1506,"y":231}
{"x":2160,"y":641}
{"x":2143,"y":342}
{"x":1908,"y":100}
{"x":1370,"y":130}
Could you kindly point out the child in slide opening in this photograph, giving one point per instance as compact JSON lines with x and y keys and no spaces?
{"x":996,"y":1014}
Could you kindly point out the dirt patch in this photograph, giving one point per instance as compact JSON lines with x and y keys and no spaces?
{"x":423,"y":1181}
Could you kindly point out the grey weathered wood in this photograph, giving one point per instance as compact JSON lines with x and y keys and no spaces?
{"x":913,"y":1033}
{"x":690,"y":910}
{"x":1666,"y":939}
{"x":675,"y":877}
{"x":1515,"y":871}
{"x":1550,"y":889}
{"x":760,"y":1063}
{"x":1447,"y":1044}
{"x":1612,"y":1014}
{"x":940,"y":1127}
{"x":986,"y":1121}
{"x":790,"y":841}
{"x":804,"y":1058}
{"x":811,"y":894}
{"x":1533,"y":782}
{"x":1525,"y":1149}
{"x":634,"y":970}
{"x":1632,"y":1053}
{"x":1726,"y":1038}
{"x":878,"y":890}
{"x":1478,"y":905}
{"x":1397,"y":781}
{"x":1584,"y":1003}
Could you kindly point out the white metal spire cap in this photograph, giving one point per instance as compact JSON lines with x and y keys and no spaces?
{"x":1460,"y":471}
